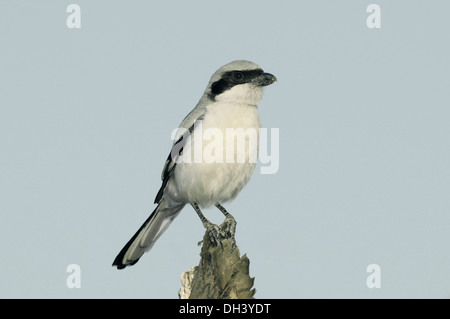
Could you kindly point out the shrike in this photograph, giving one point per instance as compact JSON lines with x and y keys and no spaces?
{"x":230,"y":101}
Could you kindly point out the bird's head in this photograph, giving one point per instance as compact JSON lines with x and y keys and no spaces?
{"x":238,"y":82}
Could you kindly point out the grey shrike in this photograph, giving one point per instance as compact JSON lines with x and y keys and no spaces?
{"x":230,"y":101}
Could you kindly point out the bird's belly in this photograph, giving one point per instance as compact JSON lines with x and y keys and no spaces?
{"x":218,"y":169}
{"x":208,"y":184}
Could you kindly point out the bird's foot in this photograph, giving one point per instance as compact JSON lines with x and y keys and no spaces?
{"x":229,"y":226}
{"x":226,"y":230}
{"x":229,"y":229}
{"x":215,"y":234}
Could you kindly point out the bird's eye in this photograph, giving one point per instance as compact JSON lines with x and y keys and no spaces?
{"x":238,"y":76}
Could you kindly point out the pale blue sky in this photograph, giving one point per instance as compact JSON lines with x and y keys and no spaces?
{"x":364,"y":122}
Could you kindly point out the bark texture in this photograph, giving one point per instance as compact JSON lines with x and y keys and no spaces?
{"x":221,"y":273}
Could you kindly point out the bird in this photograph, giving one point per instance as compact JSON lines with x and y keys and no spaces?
{"x":230,"y":101}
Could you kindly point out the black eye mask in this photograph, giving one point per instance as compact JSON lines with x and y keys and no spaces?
{"x":233,"y":78}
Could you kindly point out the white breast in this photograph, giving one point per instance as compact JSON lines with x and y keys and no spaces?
{"x":212,"y":180}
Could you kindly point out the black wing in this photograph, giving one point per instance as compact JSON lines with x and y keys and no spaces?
{"x":175,"y":153}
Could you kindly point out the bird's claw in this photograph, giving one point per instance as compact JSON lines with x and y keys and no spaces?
{"x":226,"y":231}
{"x":214,"y":234}
{"x":229,"y":226}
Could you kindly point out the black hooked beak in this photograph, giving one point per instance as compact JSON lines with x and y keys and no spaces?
{"x":265,"y":79}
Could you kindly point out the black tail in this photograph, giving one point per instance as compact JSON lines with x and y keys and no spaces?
{"x":119,"y":262}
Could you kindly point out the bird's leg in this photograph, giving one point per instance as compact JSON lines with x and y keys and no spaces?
{"x":229,"y":221}
{"x":230,"y":224}
{"x":213,"y":230}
